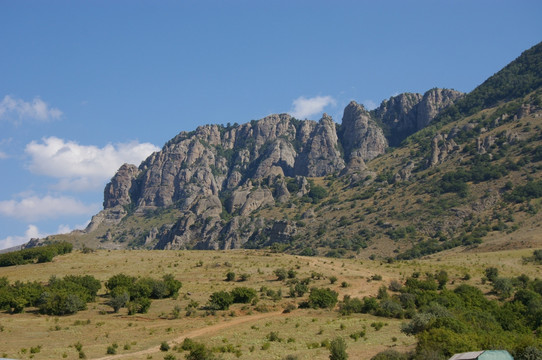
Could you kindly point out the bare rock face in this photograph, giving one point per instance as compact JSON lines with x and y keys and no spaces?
{"x":407,"y":113}
{"x":362,"y":139}
{"x":399,"y":114}
{"x":117,"y":192}
{"x":218,"y":177}
{"x":110,"y":216}
{"x":320,"y":155}
{"x":441,"y":147}
{"x":213,"y":169}
{"x":433,"y":102}
{"x":405,"y":173}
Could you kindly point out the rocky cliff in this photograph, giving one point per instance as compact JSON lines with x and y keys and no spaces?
{"x":217,"y":176}
{"x":404,"y":114}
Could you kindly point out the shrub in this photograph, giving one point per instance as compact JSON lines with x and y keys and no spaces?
{"x":243,"y":295}
{"x":491,"y":273}
{"x":323,"y":298}
{"x":390,"y":355}
{"x":274,"y":336}
{"x":120,"y":281}
{"x":281,"y":274}
{"x":350,"y":305}
{"x":230,"y":276}
{"x":220,"y":300}
{"x":395,"y":285}
{"x":119,"y":299}
{"x":298,"y":290}
{"x":200,"y":352}
{"x":292,"y":274}
{"x":40,"y":254}
{"x":164,"y":346}
{"x":337,"y":349}
{"x":317,"y":193}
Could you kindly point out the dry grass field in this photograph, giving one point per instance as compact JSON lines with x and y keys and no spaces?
{"x":244,"y":329}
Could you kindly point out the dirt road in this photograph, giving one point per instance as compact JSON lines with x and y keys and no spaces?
{"x":198,"y":332}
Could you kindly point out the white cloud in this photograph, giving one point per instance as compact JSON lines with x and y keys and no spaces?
{"x":34,"y":208}
{"x":17,"y":109}
{"x":370,"y":104}
{"x":306,"y":107}
{"x":11,"y":241}
{"x":33,"y":232}
{"x":3,"y":155}
{"x":82,"y":167}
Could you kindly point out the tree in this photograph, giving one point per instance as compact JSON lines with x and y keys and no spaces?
{"x":503,"y":287}
{"x":243,"y":295}
{"x":390,"y":355}
{"x":230,"y":276}
{"x":442,"y":279}
{"x":323,"y":298}
{"x":200,"y":352}
{"x":492,"y":273}
{"x":337,"y":349}
{"x":220,"y":300}
{"x":281,"y":274}
{"x":119,"y":299}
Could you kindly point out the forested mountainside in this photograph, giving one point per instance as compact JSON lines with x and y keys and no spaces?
{"x":417,"y":175}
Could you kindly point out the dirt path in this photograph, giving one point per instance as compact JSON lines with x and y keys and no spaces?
{"x":195,"y":333}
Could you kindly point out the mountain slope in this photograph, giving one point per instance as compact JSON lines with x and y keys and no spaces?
{"x":468,"y":173}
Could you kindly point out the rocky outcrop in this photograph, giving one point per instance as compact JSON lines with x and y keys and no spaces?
{"x":361,"y":137}
{"x":218,"y":177}
{"x":320,"y":155}
{"x":441,"y":147}
{"x":404,"y":114}
{"x":117,"y":191}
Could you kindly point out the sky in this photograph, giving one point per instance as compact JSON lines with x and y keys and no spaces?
{"x":86,"y":86}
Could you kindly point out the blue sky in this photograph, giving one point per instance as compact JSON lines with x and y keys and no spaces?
{"x":88,"y":85}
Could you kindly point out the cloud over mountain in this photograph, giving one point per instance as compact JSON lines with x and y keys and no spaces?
{"x":82,"y":167}
{"x":306,"y":107}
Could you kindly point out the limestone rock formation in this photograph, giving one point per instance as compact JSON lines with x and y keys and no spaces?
{"x":441,"y":147}
{"x":117,"y":192}
{"x":362,"y":139}
{"x":407,"y":113}
{"x":217,"y":178}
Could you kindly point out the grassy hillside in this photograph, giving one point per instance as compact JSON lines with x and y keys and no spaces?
{"x":245,"y":331}
{"x":469,"y":198}
{"x":471,"y":179}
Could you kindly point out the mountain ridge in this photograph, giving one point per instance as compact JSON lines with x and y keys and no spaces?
{"x":283,"y":182}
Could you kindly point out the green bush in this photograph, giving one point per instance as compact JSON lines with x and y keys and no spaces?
{"x":323,"y":298}
{"x":164,"y":346}
{"x":281,"y":274}
{"x":200,"y":352}
{"x":40,"y":254}
{"x":243,"y":295}
{"x":220,"y":300}
{"x":337,"y":349}
{"x":230,"y":276}
{"x":390,"y":355}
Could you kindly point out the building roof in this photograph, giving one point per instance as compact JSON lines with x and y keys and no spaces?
{"x":483,"y":355}
{"x":473,"y":355}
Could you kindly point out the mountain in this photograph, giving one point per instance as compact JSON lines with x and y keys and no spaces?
{"x":417,"y":175}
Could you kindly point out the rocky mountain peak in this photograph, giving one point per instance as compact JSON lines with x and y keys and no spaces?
{"x":404,"y":114}
{"x":361,"y":137}
{"x":238,"y":170}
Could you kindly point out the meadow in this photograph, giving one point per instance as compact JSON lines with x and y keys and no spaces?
{"x":273,"y":327}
